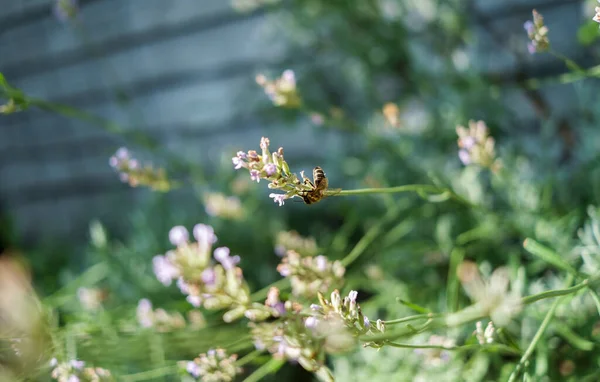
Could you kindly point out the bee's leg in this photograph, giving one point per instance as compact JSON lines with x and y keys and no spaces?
{"x":307,"y":180}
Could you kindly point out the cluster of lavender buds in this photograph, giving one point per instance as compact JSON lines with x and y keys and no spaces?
{"x":282,"y":91}
{"x":65,"y":10}
{"x":132,"y":172}
{"x":75,"y":371}
{"x":163,"y":321}
{"x":226,"y":207}
{"x":391,"y":113}
{"x":274,"y":169}
{"x":213,"y":366}
{"x":476,"y":147}
{"x":485,"y":336}
{"x":597,"y":16}
{"x":304,"y":340}
{"x":537,"y":33}
{"x":492,"y":297}
{"x":310,"y":275}
{"x":436,"y":356}
{"x":292,"y":241}
{"x":215,"y":286}
{"x":348,"y":312}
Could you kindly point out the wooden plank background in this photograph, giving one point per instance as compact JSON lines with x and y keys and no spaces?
{"x":183,"y":65}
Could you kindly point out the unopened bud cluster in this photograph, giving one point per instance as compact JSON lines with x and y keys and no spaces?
{"x":273,"y":168}
{"x":226,"y":207}
{"x":292,"y":241}
{"x":537,"y":33}
{"x":476,"y":146}
{"x":310,"y":275}
{"x":485,"y":336}
{"x":214,"y":286}
{"x":282,"y":91}
{"x":132,"y":172}
{"x":162,"y":321}
{"x":75,"y":371}
{"x":303,"y":340}
{"x":213,"y":366}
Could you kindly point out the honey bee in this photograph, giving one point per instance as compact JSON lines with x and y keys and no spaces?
{"x":318,"y":186}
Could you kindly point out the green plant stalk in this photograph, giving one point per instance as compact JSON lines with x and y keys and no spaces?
{"x":498,"y":347}
{"x":412,"y":318}
{"x":268,"y":368}
{"x":538,"y":335}
{"x":150,"y":374}
{"x":418,"y":188}
{"x":248,"y":358}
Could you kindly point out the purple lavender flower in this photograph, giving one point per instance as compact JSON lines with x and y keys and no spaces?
{"x":183,"y":286}
{"x":73,"y":378}
{"x":164,"y":270}
{"x":205,"y":236}
{"x":278,"y":198}
{"x":237,"y":162}
{"x":77,"y":364}
{"x":311,"y":322}
{"x":352,"y":295}
{"x":367,"y":322}
{"x":193,"y":369}
{"x":270,"y":169}
{"x":529,"y":27}
{"x":464,"y":157}
{"x":179,"y":235}
{"x":255,"y":175}
{"x":222,"y":256}
{"x":316,"y":307}
{"x":321,"y":263}
{"x":196,"y":301}
{"x":208,"y":276}
{"x":144,"y":313}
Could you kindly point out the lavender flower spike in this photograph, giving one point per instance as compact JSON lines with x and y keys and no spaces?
{"x":222,"y":256}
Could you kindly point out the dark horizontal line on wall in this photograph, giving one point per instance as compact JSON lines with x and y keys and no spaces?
{"x":32,"y":15}
{"x":145,"y":86}
{"x":118,"y":44}
{"x":104,"y":145}
{"x":503,"y":10}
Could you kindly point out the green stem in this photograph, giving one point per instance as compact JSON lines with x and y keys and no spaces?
{"x":248,"y":358}
{"x":554,"y":293}
{"x":499,"y":347}
{"x":371,"y":235}
{"x":418,"y":188}
{"x":538,"y":335}
{"x":411,"y":318}
{"x":150,"y":374}
{"x":268,"y":368}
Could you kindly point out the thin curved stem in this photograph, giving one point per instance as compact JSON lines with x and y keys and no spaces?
{"x":499,"y":347}
{"x":412,"y":318}
{"x":538,"y":335}
{"x":418,"y":188}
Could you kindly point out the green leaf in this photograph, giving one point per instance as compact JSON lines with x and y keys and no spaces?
{"x":588,"y":33}
{"x":547,"y":255}
{"x":415,"y":307}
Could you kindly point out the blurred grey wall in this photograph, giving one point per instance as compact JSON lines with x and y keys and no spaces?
{"x":177,"y":70}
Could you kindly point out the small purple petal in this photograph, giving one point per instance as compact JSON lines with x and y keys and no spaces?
{"x":270,"y":169}
{"x":529,"y":27}
{"x":278,"y":198}
{"x":178,"y":235}
{"x":237,"y":162}
{"x":321,"y":263}
{"x":464,"y":157}
{"x":196,"y":301}
{"x":255,"y":175}
{"x":353,"y":295}
{"x":204,"y":235}
{"x":208,"y":276}
{"x":311,"y":322}
{"x":367,"y":322}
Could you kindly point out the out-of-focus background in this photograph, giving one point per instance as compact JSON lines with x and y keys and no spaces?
{"x":176,"y":80}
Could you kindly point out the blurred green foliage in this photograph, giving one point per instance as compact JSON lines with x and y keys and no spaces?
{"x":414,"y":54}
